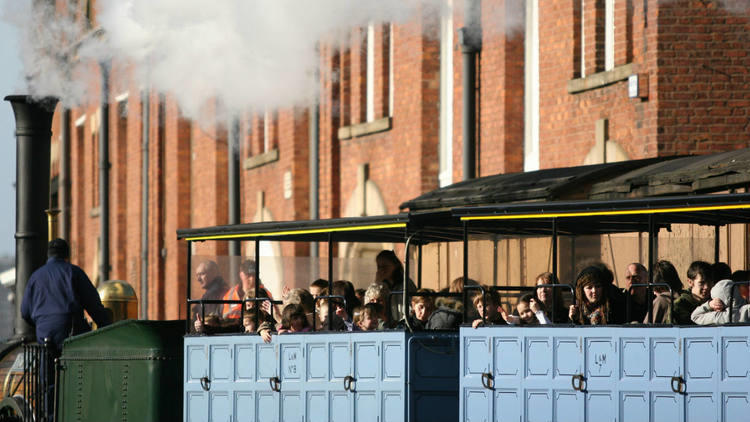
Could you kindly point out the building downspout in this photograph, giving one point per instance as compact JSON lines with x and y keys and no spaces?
{"x":65,"y":175}
{"x":145,"y":119}
{"x":470,"y":38}
{"x":314,"y":179}
{"x":233,"y":170}
{"x":104,"y":176}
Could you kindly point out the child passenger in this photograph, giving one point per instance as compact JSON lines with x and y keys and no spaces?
{"x":368,"y":317}
{"x":705,"y":315}
{"x":530,"y":312}
{"x":427,"y":317}
{"x":593,"y":305}
{"x":491,"y":305}
{"x":293,"y":320}
{"x":700,"y":284}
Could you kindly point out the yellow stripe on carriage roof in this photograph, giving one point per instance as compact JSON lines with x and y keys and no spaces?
{"x":605,"y":213}
{"x":296,"y":232}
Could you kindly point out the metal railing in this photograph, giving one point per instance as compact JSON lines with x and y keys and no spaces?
{"x":40,"y":367}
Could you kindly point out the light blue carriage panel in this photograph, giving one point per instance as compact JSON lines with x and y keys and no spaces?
{"x":628,"y":373}
{"x":378,"y":376}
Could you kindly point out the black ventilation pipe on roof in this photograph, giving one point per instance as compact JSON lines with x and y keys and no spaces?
{"x":470,"y":38}
{"x":33,"y":134}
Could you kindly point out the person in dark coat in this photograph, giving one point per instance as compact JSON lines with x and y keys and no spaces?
{"x":427,"y":317}
{"x":56,"y":296}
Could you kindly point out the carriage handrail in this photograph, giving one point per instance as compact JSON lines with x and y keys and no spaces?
{"x":649,"y":304}
{"x":734,"y":284}
{"x":330,"y":309}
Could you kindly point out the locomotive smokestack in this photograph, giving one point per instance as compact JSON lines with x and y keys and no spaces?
{"x":33,"y":134}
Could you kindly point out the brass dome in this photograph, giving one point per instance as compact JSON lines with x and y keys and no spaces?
{"x":120,"y":298}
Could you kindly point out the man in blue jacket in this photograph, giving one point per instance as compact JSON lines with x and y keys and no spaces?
{"x":56,"y":296}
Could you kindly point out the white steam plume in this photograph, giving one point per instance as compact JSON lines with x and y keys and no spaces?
{"x":247,"y":54}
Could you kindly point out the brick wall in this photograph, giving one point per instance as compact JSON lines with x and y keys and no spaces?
{"x":694,"y":54}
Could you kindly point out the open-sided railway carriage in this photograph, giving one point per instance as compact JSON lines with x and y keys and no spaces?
{"x":389,"y":375}
{"x":606,"y":373}
{"x":494,"y":373}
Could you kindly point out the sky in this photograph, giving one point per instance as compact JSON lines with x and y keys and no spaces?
{"x":11,"y":82}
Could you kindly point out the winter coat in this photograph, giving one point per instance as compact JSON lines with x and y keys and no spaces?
{"x":704,"y":315}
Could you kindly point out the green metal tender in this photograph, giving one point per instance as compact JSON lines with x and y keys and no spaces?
{"x":128,"y":371}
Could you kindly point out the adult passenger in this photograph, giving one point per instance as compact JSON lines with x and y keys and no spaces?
{"x":390,"y":272}
{"x":700,"y":284}
{"x":636,"y":273}
{"x":239,"y":292}
{"x":214,"y":285}
{"x":56,"y":296}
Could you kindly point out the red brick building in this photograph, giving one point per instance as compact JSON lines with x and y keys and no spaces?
{"x":558,"y":83}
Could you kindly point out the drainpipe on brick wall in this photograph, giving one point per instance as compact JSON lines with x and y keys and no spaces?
{"x":104,"y":176}
{"x":145,"y":119}
{"x":470,"y":38}
{"x":65,"y":176}
{"x":234,"y":191}
{"x":314,"y":180}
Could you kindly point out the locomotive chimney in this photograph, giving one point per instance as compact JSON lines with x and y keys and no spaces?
{"x":33,"y":134}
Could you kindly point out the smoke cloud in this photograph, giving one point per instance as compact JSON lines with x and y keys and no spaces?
{"x":246,"y":55}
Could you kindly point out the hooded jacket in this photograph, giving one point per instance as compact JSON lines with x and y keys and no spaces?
{"x":704,"y":315}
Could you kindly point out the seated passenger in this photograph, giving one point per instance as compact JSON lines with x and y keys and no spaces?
{"x":455,"y":303}
{"x":636,"y":273}
{"x":544,"y":295}
{"x":593,"y":305}
{"x":316,"y":287}
{"x":238,"y":292}
{"x":321,"y":308}
{"x":293,"y":320}
{"x":345,"y":310}
{"x":742,"y":275}
{"x":493,"y":309}
{"x":207,"y":274}
{"x":705,"y":315}
{"x":390,"y":272}
{"x":720,"y":271}
{"x":661,"y":309}
{"x":369,"y":319}
{"x":303,"y":298}
{"x":360,"y":293}
{"x":379,"y":293}
{"x":427,"y":317}
{"x":529,"y":312}
{"x":700,"y":283}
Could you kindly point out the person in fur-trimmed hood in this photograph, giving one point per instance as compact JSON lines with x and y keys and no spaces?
{"x":704,"y":315}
